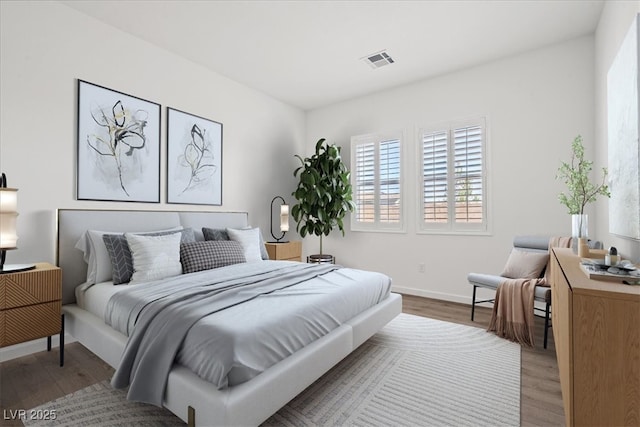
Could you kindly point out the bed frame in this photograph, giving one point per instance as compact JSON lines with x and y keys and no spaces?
{"x":191,"y":398}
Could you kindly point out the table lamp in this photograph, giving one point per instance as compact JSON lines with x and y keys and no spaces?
{"x":284,"y":219}
{"x":8,"y":235}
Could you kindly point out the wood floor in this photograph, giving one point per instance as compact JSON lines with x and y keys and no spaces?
{"x":32,"y":380}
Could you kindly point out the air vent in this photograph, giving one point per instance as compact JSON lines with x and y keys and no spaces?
{"x":378,"y":59}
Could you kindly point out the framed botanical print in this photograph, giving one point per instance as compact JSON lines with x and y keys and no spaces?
{"x":118,"y":146}
{"x":194,"y":159}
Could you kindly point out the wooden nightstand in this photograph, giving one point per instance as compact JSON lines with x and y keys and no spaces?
{"x":289,"y":251}
{"x":30,"y":305}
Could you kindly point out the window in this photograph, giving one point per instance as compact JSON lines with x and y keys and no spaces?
{"x":376,"y":176}
{"x":453,"y":182}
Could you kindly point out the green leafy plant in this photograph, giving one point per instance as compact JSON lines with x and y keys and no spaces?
{"x":324,"y":192}
{"x":576,"y":176}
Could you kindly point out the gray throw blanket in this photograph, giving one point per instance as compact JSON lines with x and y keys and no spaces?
{"x":162,"y":325}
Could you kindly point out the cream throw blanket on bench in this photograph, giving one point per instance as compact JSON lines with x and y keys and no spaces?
{"x":513,"y":315}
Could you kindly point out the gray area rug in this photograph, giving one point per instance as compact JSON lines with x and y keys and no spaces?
{"x":415,"y":372}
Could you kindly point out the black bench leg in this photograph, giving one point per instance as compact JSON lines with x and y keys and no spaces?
{"x":61,"y":340}
{"x":546,"y":324}
{"x":473,"y":302}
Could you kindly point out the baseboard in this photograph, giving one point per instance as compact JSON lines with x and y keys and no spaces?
{"x":450,"y":297}
{"x":30,"y":347}
{"x":431,"y":294}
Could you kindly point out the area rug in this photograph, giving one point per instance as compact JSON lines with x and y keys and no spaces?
{"x":414,"y":372}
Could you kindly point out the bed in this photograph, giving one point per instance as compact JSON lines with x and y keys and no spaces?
{"x":249,"y":400}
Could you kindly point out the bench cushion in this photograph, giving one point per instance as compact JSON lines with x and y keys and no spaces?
{"x":489,"y":281}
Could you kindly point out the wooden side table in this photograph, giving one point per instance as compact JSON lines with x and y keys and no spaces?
{"x":289,"y":251}
{"x":30,"y":306}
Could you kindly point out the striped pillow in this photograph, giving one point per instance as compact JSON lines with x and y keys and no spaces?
{"x":154,"y":257}
{"x":120,"y":254}
{"x":198,"y":256}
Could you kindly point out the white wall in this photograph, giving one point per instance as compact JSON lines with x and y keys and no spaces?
{"x":46,"y":46}
{"x":615,"y":21}
{"x":535,"y":103}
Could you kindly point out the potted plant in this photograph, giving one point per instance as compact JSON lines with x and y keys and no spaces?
{"x":324,"y":194}
{"x":581,"y":191}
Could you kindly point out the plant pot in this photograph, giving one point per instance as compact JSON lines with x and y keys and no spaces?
{"x":579,"y":226}
{"x":321,"y":259}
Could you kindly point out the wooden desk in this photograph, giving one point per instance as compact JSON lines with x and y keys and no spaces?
{"x":596,"y":327}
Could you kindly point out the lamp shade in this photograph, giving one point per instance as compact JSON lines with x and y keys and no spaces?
{"x":8,"y":200}
{"x":8,"y":216}
{"x":8,"y":235}
{"x":284,"y":218}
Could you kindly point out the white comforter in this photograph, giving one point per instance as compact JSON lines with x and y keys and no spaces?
{"x":231,"y":346}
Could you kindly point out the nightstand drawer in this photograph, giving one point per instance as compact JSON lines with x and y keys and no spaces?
{"x":30,"y":287}
{"x":28,"y":323}
{"x":291,"y":251}
{"x":30,"y":304}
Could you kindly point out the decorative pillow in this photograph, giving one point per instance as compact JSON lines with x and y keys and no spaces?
{"x":120,"y":254}
{"x":525,"y":264}
{"x":249,"y":238}
{"x":154,"y":257}
{"x":198,"y":256}
{"x":215,"y":234}
{"x":221,"y":234}
{"x":96,"y":256}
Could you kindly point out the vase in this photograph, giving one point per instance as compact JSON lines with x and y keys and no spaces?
{"x":579,"y":226}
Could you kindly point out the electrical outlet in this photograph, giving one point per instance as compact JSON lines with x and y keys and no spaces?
{"x":421,"y":267}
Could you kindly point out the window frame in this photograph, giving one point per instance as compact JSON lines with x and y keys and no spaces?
{"x":377,"y":225}
{"x":451,"y":226}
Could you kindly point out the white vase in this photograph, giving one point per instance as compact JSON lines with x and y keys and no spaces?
{"x":579,"y":226}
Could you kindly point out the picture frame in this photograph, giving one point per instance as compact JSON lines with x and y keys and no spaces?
{"x":118,"y":147}
{"x":623,"y":132}
{"x":194,"y":159}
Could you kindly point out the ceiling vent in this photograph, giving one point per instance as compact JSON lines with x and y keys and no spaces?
{"x":378,"y":59}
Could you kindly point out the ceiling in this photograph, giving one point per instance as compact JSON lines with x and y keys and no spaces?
{"x":308,"y":53}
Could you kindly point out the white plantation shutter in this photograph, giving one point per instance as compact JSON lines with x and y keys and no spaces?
{"x":453,"y":178}
{"x":435,"y":177}
{"x":376,"y":174}
{"x":364,"y":188}
{"x":468,"y":174}
{"x":389,"y":179}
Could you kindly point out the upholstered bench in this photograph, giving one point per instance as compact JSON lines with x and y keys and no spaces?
{"x":530,"y":244}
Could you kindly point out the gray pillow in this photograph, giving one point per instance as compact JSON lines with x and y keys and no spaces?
{"x":215,"y":233}
{"x":120,"y":254}
{"x":525,"y":264}
{"x":221,"y":234}
{"x":198,"y":256}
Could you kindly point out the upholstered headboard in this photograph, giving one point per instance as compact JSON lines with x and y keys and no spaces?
{"x":72,"y":223}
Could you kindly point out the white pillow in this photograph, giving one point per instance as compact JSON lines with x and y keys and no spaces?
{"x":99,"y":268}
{"x":249,"y":238}
{"x":154,"y":257}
